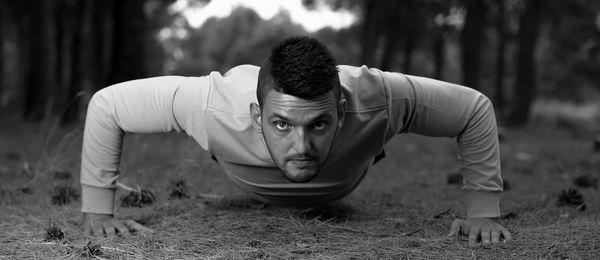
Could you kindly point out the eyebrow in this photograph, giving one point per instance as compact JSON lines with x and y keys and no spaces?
{"x":321,"y":116}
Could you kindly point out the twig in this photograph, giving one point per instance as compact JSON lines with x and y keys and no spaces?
{"x":347,"y":228}
{"x":446,"y":212}
{"x":209,"y":196}
{"x":410,"y":233}
{"x":404,"y":234}
{"x":125,"y":187}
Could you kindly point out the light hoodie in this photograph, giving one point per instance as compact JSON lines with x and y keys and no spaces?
{"x":214,"y":110}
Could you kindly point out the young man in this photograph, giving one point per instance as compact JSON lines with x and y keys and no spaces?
{"x":298,"y":130}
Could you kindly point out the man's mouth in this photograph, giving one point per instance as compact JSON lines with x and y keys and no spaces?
{"x":303,"y":162}
{"x":302,"y":159}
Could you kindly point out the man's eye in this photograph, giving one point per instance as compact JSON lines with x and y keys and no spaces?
{"x":280,"y":125}
{"x":320,"y":126}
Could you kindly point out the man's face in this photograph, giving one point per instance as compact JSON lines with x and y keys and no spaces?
{"x":298,"y":132}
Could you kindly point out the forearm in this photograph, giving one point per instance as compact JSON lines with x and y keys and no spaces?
{"x":100,"y":156}
{"x":480,"y":159}
{"x":143,"y":106}
{"x":435,"y":108}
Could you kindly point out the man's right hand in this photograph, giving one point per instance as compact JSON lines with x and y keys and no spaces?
{"x":103,"y":224}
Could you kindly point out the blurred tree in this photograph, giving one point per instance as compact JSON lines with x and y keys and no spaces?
{"x":570,"y":50}
{"x":222,"y":43}
{"x":56,"y":50}
{"x":389,"y":27}
{"x":525,"y":85}
{"x":472,"y":41}
{"x":81,"y":65}
{"x":129,"y":45}
{"x":396,"y":16}
{"x":2,"y":40}
{"x":343,"y":43}
{"x":66,"y":48}
{"x":160,"y":16}
{"x":500,"y":53}
{"x":40,"y":75}
{"x":101,"y":38}
{"x":443,"y":26}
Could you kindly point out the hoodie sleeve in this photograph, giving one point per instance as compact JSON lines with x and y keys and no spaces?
{"x":153,"y":105}
{"x":441,"y":109}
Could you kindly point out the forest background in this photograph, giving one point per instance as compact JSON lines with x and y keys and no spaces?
{"x":56,"y":54}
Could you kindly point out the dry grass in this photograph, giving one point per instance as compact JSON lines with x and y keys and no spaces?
{"x":402,"y":210}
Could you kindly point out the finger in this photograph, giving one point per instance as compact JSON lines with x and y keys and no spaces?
{"x":485,"y":235}
{"x":121,"y":228}
{"x":473,"y":236}
{"x":98,"y":230}
{"x":109,"y":229}
{"x":495,"y":235}
{"x":132,"y":225}
{"x":506,"y":234}
{"x":455,"y":228}
{"x":87,"y":229}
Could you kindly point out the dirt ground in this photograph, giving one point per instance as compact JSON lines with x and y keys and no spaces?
{"x":402,"y":210}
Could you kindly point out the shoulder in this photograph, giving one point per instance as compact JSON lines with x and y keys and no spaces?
{"x":242,"y":74}
{"x":235,"y":89}
{"x":363,"y":88}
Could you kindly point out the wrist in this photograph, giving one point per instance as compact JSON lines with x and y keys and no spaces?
{"x":97,"y":200}
{"x":482,"y":204}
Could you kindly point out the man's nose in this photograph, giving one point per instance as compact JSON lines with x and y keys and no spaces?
{"x":301,"y":141}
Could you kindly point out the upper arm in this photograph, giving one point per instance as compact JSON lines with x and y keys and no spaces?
{"x":141,"y":106}
{"x":431,"y":107}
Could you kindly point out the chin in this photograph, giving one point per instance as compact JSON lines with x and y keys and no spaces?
{"x":301,"y":176}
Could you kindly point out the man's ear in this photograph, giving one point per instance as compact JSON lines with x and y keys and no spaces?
{"x":255,"y":114}
{"x":341,"y":112}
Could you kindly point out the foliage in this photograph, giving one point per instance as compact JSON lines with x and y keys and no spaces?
{"x":92,"y":250}
{"x":178,"y":189}
{"x":52,"y":68}
{"x":570,"y":197}
{"x":222,"y":43}
{"x":54,"y":233}
{"x":138,"y":199}
{"x":63,"y":195}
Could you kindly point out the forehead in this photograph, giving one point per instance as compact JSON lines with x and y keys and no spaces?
{"x":280,"y":103}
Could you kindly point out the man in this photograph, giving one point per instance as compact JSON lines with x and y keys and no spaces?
{"x":298,"y":130}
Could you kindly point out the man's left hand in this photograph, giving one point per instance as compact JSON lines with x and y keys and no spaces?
{"x":487,"y":230}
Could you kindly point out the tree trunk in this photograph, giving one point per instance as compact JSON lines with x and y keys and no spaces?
{"x":472,"y":38}
{"x":391,"y":24}
{"x":82,"y":64}
{"x":500,"y":52}
{"x":409,"y":22}
{"x":40,"y":76}
{"x":130,"y":29}
{"x":102,"y":36}
{"x":409,"y":48}
{"x":369,"y":37}
{"x":2,"y":39}
{"x":66,"y":23}
{"x":439,"y":45}
{"x":525,"y":86}
{"x":23,"y":44}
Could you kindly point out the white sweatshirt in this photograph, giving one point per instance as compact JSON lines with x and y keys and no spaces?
{"x":214,"y":110}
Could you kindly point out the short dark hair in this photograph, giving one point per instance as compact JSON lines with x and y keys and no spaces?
{"x":299,"y":66}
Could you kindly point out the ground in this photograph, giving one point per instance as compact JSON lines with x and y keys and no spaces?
{"x":403,"y":208}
